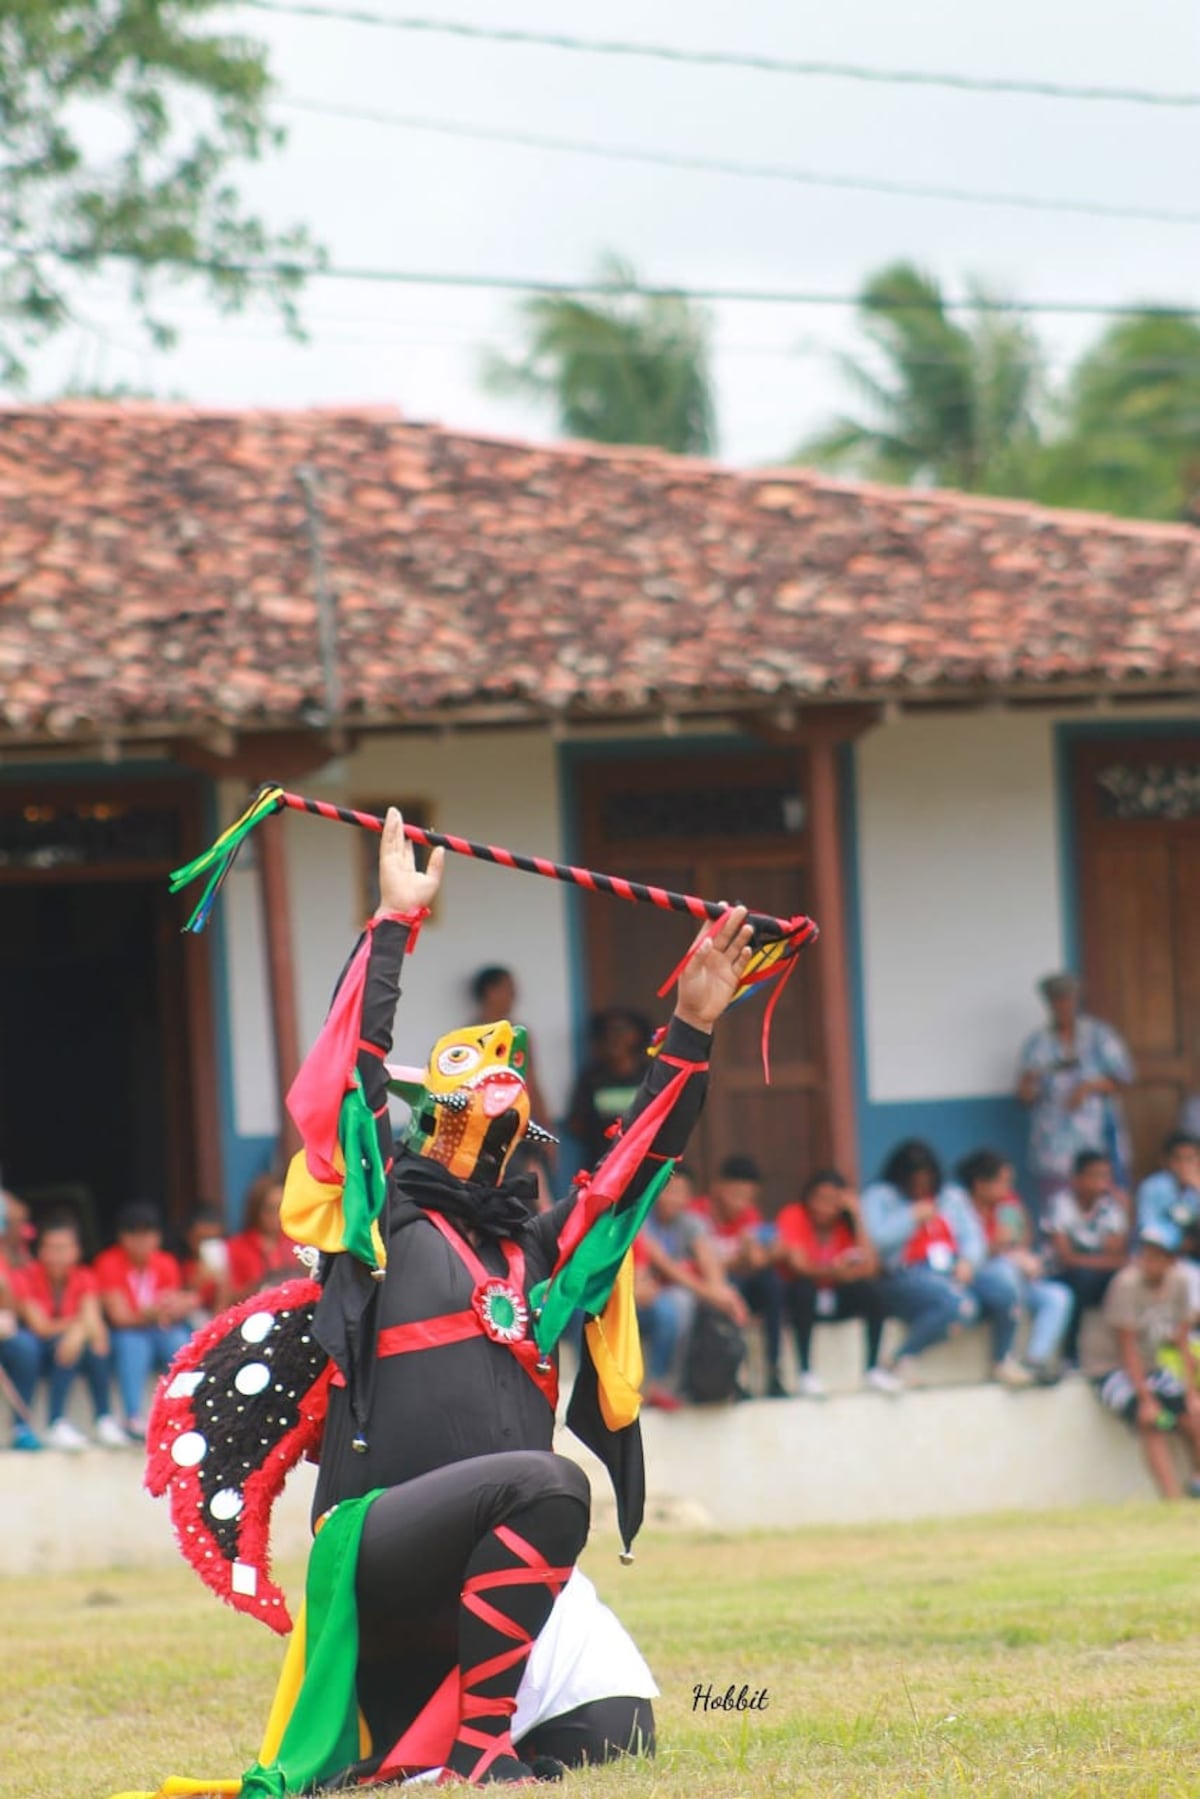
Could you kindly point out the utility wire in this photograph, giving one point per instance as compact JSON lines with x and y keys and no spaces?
{"x":734,"y":59}
{"x":414,"y":336}
{"x":755,"y":171}
{"x":529,"y":284}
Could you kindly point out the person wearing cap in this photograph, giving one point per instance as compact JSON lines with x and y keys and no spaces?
{"x":1147,"y":1312}
{"x":744,"y":1242}
{"x":1071,"y":1074}
{"x":145,"y":1304}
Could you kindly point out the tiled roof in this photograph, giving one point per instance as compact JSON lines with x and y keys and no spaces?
{"x":154,"y":569}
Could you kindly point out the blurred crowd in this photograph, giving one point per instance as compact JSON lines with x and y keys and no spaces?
{"x":115,"y":1321}
{"x":1079,"y":1274}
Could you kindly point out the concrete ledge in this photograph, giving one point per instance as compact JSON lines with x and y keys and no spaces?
{"x":60,"y":1513}
{"x":766,"y":1464}
{"x":862,"y":1458}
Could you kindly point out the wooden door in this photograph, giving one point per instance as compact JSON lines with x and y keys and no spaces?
{"x":729,"y":827}
{"x":1139,"y":868}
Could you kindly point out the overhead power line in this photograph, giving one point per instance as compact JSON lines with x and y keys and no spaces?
{"x":593,"y":289}
{"x":755,"y":171}
{"x":730,"y":59}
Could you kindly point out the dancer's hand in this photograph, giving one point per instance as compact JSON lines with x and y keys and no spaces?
{"x":710,"y":980}
{"x":402,"y":886}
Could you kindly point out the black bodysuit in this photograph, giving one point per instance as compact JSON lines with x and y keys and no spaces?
{"x":460,"y":1432}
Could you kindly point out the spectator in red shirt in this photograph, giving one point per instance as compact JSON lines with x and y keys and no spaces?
{"x":19,"y":1356}
{"x":744,"y":1244}
{"x":59,"y":1303}
{"x":829,"y":1269}
{"x":205,"y":1268}
{"x":146,"y":1305}
{"x":260,"y":1255}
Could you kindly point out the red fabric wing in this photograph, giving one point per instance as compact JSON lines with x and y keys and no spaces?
{"x":243,"y":1400}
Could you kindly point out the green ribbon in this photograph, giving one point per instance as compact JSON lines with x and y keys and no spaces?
{"x":365,"y":1186}
{"x":321,"y":1736}
{"x":585,"y":1281}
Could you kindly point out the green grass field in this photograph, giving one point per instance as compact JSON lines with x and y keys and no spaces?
{"x":1047,"y":1655}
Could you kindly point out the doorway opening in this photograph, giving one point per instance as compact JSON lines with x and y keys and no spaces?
{"x":107,"y":1055}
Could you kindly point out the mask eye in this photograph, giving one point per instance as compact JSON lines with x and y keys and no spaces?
{"x":457,"y":1058}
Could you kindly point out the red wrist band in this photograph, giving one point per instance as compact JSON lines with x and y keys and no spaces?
{"x":414,"y":920}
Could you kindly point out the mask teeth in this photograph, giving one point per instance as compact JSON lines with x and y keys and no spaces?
{"x":454,"y":1102}
{"x":535,"y":1133}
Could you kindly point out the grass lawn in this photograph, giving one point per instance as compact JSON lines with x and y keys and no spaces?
{"x":1045,"y":1655}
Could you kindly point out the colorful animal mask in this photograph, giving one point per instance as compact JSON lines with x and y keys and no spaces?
{"x":473,"y":1109}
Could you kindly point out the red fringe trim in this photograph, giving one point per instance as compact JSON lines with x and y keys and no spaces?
{"x":170,"y":1417}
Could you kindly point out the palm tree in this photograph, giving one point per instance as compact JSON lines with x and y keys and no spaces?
{"x":632,"y":369}
{"x":956,"y":405}
{"x":1129,"y":440}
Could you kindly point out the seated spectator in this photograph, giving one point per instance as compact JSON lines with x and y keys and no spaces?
{"x":16,"y":1231}
{"x":743,"y":1242}
{"x":829,"y":1267}
{"x":205,"y":1267}
{"x":260,"y":1255}
{"x":916,"y":1247}
{"x":618,"y":1040}
{"x":1002,"y":1222}
{"x":1088,"y":1224}
{"x":59,"y":1303}
{"x":18,"y":1349}
{"x":145,"y":1304}
{"x":676,"y":1266}
{"x":1146,"y":1310}
{"x":1172,"y":1196}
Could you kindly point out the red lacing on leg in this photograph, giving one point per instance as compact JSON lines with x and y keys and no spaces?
{"x":536,"y":1572}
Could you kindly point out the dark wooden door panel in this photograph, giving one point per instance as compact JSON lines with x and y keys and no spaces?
{"x":727,"y":828}
{"x":1140,"y":899}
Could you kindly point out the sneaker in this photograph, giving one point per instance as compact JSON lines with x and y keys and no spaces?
{"x":135,"y":1429}
{"x":26,"y":1438}
{"x":1045,"y":1373}
{"x":662,"y":1399}
{"x":811,"y":1386}
{"x":109,"y":1434}
{"x":776,"y":1389}
{"x":62,"y":1434}
{"x":1011,"y":1374}
{"x":884,"y":1380}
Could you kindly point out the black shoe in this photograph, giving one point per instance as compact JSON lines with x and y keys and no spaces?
{"x":776,"y":1389}
{"x":740,"y":1393}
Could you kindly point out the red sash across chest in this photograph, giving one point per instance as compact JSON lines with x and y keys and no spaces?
{"x":498,"y":1310}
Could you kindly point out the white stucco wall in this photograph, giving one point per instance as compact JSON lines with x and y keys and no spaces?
{"x":498,"y":786}
{"x":958,"y":868}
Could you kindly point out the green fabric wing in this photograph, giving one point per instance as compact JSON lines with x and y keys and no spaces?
{"x":585,"y":1282}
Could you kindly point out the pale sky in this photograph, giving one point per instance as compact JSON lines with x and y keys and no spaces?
{"x":383,"y":197}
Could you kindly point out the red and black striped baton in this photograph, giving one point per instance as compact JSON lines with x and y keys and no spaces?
{"x":776,"y":941}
